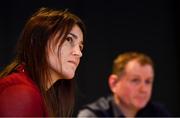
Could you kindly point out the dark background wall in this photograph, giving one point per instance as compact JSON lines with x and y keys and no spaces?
{"x":113,"y":27}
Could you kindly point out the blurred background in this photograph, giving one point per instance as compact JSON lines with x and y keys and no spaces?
{"x":113,"y":27}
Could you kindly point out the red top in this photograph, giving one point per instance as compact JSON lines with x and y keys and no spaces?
{"x":20,"y":96}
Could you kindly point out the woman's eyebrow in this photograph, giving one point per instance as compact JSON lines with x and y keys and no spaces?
{"x":75,"y":36}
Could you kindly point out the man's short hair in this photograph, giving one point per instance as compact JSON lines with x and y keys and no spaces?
{"x":121,"y":61}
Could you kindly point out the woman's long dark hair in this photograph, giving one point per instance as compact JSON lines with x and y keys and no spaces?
{"x":31,"y":50}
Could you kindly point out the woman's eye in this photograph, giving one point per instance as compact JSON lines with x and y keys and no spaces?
{"x":81,"y":47}
{"x":69,"y":39}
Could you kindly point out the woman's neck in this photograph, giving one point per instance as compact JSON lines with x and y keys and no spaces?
{"x":54,"y":77}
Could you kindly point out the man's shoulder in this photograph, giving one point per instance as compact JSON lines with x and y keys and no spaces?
{"x":155,"y":109}
{"x":102,"y":103}
{"x":100,"y":107}
{"x":157,"y":106}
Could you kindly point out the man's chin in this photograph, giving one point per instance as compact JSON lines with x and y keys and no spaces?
{"x":140,"y":105}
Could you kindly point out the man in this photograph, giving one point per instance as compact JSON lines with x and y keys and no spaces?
{"x":131,"y":84}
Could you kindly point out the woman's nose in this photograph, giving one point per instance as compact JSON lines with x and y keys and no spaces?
{"x":77,"y":51}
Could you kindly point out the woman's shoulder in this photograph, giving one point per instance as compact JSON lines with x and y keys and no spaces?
{"x":20,"y":96}
{"x":15,"y":80}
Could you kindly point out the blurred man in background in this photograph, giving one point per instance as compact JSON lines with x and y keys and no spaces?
{"x":131,"y":84}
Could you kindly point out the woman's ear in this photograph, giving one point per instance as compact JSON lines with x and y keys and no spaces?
{"x":112,"y":82}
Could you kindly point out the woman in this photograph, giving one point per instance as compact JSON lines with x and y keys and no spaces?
{"x":38,"y":82}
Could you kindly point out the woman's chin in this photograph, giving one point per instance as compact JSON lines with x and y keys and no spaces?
{"x":69,"y":76}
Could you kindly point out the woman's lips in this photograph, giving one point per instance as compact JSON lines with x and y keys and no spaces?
{"x":73,"y":62}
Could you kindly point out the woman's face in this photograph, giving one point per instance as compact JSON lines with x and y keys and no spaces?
{"x":63,"y":61}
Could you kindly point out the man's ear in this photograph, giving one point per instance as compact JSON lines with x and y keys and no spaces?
{"x":112,"y":82}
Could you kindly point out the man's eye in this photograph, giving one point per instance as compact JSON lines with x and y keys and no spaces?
{"x":135,"y":80}
{"x":148,"y":81}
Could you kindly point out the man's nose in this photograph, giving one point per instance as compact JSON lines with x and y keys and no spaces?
{"x":143,"y":87}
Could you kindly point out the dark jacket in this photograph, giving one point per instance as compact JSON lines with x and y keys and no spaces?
{"x":106,"y":107}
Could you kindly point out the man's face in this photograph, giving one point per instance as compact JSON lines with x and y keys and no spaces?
{"x":133,"y":90}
